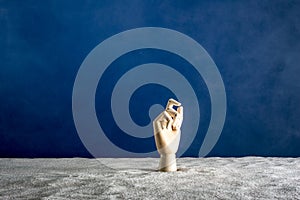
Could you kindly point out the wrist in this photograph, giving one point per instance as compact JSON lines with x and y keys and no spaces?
{"x":167,"y":163}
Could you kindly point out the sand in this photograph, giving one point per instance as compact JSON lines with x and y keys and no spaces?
{"x":137,"y":178}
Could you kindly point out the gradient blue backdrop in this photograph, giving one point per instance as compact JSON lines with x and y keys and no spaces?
{"x":255,"y":44}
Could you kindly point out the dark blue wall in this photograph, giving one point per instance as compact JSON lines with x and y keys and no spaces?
{"x":255,"y":44}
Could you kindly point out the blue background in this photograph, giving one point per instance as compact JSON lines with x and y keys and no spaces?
{"x":255,"y":44}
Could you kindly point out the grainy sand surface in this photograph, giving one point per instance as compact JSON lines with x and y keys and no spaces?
{"x":124,"y":178}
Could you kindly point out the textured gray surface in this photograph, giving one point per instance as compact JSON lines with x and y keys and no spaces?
{"x":198,"y":178}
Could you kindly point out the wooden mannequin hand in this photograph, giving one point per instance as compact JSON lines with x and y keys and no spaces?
{"x":167,"y":134}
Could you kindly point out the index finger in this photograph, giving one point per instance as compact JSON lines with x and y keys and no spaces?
{"x":180,"y":111}
{"x":178,"y":119}
{"x":172,"y":102}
